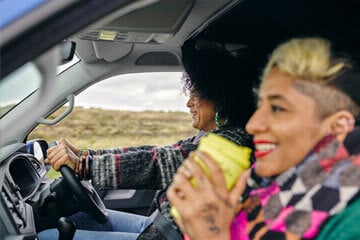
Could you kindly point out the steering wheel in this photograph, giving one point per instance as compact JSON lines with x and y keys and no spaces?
{"x":86,"y":194}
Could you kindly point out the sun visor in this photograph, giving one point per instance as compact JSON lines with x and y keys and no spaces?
{"x":156,"y":23}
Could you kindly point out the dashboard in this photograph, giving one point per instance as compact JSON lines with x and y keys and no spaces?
{"x":21,"y":177}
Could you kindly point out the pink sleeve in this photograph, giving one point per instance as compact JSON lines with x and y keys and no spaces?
{"x":238,"y":227}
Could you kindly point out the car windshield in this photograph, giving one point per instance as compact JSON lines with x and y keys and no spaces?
{"x":18,"y":86}
{"x":22,"y":83}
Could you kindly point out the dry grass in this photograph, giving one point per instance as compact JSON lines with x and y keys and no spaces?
{"x":98,"y":128}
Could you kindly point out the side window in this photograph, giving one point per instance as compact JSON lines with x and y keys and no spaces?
{"x":25,"y":80}
{"x":126,"y":110}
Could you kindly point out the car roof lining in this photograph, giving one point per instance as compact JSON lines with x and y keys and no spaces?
{"x":58,"y":27}
{"x":181,"y":28}
{"x":262,"y":25}
{"x":258,"y":25}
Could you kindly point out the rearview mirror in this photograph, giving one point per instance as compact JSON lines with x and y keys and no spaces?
{"x":67,"y":51}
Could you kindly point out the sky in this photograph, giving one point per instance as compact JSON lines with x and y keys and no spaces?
{"x":136,"y":92}
{"x":161,"y":91}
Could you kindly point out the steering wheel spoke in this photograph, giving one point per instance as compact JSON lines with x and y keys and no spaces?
{"x":86,"y":194}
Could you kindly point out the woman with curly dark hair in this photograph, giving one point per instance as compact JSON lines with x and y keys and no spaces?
{"x":220,"y":77}
{"x":220,"y":101}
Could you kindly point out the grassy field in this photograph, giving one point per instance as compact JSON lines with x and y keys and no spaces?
{"x":98,"y":128}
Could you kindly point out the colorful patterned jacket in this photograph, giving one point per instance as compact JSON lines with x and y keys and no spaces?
{"x":146,"y":167}
{"x":299,"y":203}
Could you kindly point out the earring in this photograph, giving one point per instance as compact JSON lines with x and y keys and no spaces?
{"x":217,"y":120}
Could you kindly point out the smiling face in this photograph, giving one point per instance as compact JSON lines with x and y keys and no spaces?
{"x":202,"y":112}
{"x":285,"y":126}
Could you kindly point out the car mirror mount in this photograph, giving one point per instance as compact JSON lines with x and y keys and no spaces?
{"x":67,"y":51}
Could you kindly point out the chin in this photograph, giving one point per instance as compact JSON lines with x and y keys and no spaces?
{"x":195,"y":125}
{"x":264,"y":172}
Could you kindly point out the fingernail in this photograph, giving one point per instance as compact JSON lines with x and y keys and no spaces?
{"x":187,"y":173}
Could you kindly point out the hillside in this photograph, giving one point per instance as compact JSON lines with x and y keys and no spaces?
{"x":98,"y":128}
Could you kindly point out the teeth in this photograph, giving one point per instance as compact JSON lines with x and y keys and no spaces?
{"x":265,"y":147}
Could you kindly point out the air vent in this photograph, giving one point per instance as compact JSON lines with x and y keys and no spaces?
{"x":14,"y":203}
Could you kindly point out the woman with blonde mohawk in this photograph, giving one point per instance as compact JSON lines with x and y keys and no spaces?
{"x":304,"y":184}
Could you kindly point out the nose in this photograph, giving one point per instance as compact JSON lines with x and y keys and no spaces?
{"x":257,"y":122}
{"x":189,"y":103}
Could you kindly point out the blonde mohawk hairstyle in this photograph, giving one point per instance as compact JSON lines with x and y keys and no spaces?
{"x":331,"y":82}
{"x":306,"y":58}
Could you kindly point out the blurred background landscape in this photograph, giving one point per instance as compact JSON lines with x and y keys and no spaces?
{"x":100,"y":128}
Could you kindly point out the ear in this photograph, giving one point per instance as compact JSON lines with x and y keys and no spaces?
{"x":342,"y":123}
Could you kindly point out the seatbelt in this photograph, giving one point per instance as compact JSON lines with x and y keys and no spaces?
{"x":164,"y":226}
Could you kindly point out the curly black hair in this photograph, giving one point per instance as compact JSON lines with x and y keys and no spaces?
{"x":217,"y":76}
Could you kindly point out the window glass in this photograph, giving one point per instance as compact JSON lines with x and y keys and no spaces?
{"x":157,"y":91}
{"x":17,"y":86}
{"x":126,"y":110}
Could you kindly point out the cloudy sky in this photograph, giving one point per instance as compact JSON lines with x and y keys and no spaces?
{"x":136,"y":92}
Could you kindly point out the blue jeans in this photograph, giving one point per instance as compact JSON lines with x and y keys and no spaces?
{"x":121,"y":226}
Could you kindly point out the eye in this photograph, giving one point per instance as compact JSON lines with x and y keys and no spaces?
{"x":275,"y":109}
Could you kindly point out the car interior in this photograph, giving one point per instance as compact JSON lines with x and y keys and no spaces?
{"x":112,"y":38}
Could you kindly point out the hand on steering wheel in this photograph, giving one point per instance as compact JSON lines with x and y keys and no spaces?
{"x":85,"y":194}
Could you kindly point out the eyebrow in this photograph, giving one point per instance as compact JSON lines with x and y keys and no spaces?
{"x":270,"y":96}
{"x":274,"y":97}
{"x":279,"y":97}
